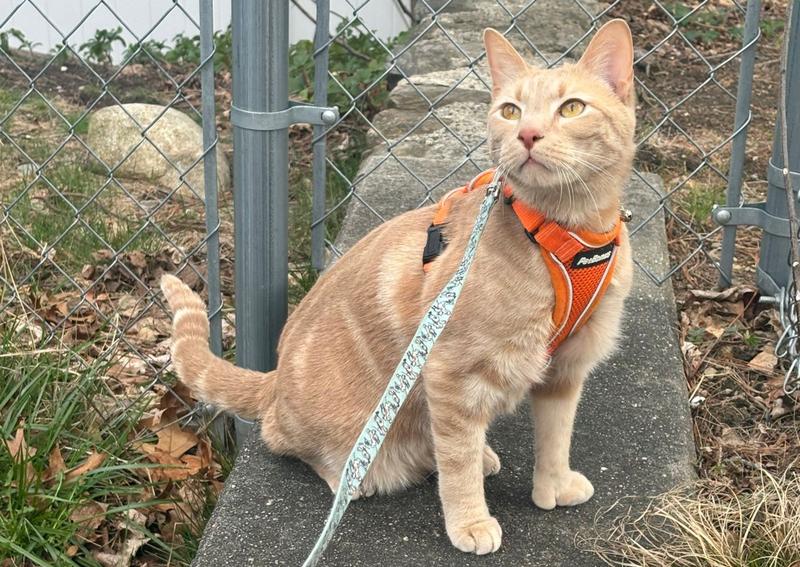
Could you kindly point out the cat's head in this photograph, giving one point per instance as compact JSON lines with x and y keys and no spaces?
{"x":564,"y":136}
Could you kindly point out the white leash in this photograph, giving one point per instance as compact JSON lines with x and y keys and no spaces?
{"x":405,"y":375}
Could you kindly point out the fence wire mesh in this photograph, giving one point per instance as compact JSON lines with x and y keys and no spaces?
{"x":97,"y":207}
{"x":441,"y":61}
{"x":105,"y":170}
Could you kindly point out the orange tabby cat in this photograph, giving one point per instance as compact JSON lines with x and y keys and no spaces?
{"x":564,"y":138}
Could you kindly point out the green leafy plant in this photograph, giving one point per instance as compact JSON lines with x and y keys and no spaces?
{"x":223,"y":42}
{"x":99,"y":48}
{"x":696,"y":335}
{"x":142,"y":51}
{"x":63,"y":53}
{"x":701,"y":26}
{"x":23,"y":41}
{"x":184,"y":49}
{"x":358,"y":62}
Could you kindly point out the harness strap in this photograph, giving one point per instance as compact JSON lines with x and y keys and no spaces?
{"x":580,"y":262}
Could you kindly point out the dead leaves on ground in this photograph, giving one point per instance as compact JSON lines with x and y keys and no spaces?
{"x":184,"y":475}
{"x":743,"y":420}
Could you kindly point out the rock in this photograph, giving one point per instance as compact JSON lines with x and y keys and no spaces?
{"x":172,"y":146}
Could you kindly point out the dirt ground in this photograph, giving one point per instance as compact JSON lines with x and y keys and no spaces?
{"x":742,"y":419}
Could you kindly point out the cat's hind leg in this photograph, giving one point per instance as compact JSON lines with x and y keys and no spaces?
{"x":491,"y":462}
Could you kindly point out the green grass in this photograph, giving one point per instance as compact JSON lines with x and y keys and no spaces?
{"x":88,"y":222}
{"x":61,"y":403}
{"x":49,"y":398}
{"x":63,"y":198}
{"x":698,"y":199}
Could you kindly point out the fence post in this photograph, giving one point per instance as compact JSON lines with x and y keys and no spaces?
{"x":321,"y":39}
{"x":260,"y":173}
{"x":774,"y":270}
{"x":741,"y":121}
{"x":219,"y":427}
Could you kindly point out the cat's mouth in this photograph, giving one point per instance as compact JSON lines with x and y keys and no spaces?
{"x":532,"y":163}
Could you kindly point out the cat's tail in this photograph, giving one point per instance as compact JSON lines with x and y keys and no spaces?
{"x":214,"y":380}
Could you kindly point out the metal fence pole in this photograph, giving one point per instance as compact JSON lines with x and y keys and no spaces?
{"x":741,"y":121}
{"x":321,"y":42}
{"x":219,"y":427}
{"x":774,"y":265}
{"x":260,"y":161}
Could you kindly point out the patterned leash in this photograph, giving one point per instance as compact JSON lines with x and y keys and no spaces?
{"x":404,"y":377}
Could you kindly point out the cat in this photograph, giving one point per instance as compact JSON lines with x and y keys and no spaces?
{"x":563,"y":138}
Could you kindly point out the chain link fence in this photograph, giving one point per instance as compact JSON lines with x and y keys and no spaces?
{"x":90,"y":220}
{"x":110,"y":177}
{"x":695,"y":69}
{"x":443,"y":62}
{"x":116,"y":169}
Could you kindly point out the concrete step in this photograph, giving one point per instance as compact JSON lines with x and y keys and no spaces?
{"x":632,"y":438}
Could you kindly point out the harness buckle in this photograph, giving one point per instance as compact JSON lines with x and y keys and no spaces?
{"x":434,"y":245}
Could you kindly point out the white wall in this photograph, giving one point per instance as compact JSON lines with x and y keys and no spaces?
{"x":381,"y":16}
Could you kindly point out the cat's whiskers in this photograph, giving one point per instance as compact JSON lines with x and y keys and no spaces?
{"x":586,"y":189}
{"x":560,"y":187}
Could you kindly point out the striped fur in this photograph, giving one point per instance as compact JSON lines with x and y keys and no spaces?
{"x":342,"y":342}
{"x":241,"y":391}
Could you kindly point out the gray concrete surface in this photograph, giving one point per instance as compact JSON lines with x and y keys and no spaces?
{"x":632,"y":439}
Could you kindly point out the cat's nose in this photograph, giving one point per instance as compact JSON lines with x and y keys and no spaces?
{"x":528,"y":137}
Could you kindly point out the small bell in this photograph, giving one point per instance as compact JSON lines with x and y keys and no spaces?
{"x":625,"y":215}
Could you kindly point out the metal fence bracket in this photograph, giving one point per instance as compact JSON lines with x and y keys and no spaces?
{"x":751,"y":214}
{"x":297,"y":113}
{"x":775,"y":176}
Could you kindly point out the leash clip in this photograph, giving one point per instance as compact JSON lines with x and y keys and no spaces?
{"x":495,"y":186}
{"x":493,"y":189}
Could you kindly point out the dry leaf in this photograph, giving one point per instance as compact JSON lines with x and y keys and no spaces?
{"x":173,"y":467}
{"x":763,"y":362}
{"x":205,"y":452}
{"x":730,"y":437}
{"x":175,"y":441}
{"x":134,"y":522}
{"x":716,"y":330}
{"x":92,"y":462}
{"x":56,"y":463}
{"x":20,"y":452}
{"x":193,"y":464}
{"x":17,"y":446}
{"x":89,"y":516}
{"x":133,"y":542}
{"x":731,"y":294}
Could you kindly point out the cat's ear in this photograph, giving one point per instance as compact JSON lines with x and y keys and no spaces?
{"x":505,"y":64}
{"x":610,"y":57}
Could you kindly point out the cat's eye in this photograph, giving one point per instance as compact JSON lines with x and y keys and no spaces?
{"x":571,"y":108}
{"x":510,"y":111}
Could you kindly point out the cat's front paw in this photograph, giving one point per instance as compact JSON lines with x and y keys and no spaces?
{"x":481,"y":537}
{"x":565,"y":489}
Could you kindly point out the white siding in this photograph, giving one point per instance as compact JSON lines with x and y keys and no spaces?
{"x":381,"y":16}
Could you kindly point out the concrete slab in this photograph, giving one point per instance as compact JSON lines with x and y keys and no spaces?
{"x":632,"y":438}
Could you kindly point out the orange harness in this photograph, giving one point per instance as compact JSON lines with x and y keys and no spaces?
{"x":581,"y":263}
